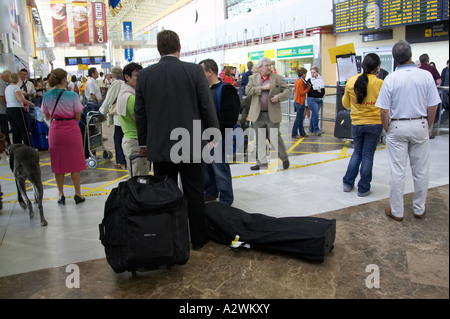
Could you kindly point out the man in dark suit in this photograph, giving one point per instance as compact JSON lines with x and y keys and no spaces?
{"x":173,"y":96}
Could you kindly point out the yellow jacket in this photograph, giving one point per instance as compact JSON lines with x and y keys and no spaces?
{"x":366,"y":113}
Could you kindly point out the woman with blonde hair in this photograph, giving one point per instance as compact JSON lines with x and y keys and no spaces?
{"x":314,"y":100}
{"x":65,"y":142}
{"x":16,"y":112}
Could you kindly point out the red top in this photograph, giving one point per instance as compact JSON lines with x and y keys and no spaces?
{"x":228,"y":79}
{"x":431,"y":69}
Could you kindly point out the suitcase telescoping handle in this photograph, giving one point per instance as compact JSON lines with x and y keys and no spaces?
{"x":132,"y":158}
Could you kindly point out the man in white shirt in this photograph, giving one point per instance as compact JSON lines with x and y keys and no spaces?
{"x":92,"y":91}
{"x":101,"y":85}
{"x":408,"y":101}
{"x":94,"y":101}
{"x":27,"y":87}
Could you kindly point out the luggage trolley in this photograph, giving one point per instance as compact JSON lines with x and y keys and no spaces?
{"x":94,"y":138}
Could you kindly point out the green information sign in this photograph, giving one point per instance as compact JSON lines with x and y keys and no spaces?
{"x":303,"y":51}
{"x":253,"y":56}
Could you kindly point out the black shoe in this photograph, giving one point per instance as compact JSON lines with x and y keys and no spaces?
{"x":62,"y":200}
{"x":257,"y":167}
{"x":78,"y":199}
{"x":286,"y":164}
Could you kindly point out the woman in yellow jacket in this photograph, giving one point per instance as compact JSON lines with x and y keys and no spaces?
{"x":82,"y":88}
{"x":301,"y":88}
{"x":361,"y":93}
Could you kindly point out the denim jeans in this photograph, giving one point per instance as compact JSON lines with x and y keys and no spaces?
{"x":297,"y":128}
{"x":314,"y":104}
{"x":218,"y":180}
{"x":365,"y":140}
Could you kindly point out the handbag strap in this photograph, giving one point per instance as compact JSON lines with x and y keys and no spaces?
{"x":57,"y":100}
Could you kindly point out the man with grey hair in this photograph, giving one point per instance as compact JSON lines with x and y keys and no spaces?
{"x":266,"y":90}
{"x":408,"y":100}
{"x":4,"y":128}
{"x":113,"y":118}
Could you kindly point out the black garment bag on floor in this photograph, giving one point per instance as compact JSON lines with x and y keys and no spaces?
{"x":308,"y":238}
{"x":145,"y":225}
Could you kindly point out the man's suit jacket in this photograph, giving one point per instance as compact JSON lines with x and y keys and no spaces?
{"x":277,"y":87}
{"x":172,"y":94}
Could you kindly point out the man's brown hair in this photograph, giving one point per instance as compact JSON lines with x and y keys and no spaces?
{"x":168,"y":42}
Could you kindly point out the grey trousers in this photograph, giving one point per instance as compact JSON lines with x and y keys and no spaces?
{"x":408,"y":140}
{"x":263,"y":127}
{"x":141,"y":165}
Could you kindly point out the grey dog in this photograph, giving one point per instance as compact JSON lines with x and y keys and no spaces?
{"x":24,"y":163}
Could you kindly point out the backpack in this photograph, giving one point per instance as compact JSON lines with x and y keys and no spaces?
{"x":238,"y":136}
{"x":76,"y":89}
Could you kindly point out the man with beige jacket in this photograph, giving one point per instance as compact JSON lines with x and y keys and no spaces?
{"x":266,"y":91}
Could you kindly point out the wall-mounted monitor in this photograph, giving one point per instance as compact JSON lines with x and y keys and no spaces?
{"x":86,"y":61}
{"x":71,"y":61}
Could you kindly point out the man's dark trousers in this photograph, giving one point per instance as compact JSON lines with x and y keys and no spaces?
{"x":193,"y":186}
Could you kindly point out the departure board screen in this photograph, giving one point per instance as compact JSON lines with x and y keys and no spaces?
{"x":445,"y":10}
{"x":398,"y":12}
{"x":354,"y":15}
{"x":363,"y":15}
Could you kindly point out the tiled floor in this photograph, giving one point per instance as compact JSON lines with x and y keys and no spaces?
{"x":412,"y":257}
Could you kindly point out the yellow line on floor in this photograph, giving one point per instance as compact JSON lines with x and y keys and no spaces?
{"x":344,"y":149}
{"x":272,"y":169}
{"x":100,"y":188}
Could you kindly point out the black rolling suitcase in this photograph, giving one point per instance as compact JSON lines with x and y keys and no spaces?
{"x":308,"y":238}
{"x":145,"y":225}
{"x":343,"y":126}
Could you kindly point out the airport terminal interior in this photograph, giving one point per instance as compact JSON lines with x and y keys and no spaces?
{"x":374,"y":257}
{"x":412,"y":256}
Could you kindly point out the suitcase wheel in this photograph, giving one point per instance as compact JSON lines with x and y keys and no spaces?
{"x":107,"y":154}
{"x":91,"y":163}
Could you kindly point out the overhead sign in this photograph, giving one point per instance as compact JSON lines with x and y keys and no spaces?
{"x":80,"y":22}
{"x":393,"y":12}
{"x":355,"y":15}
{"x":83,"y":67}
{"x":127,"y":31}
{"x":255,"y":56}
{"x":58,"y":12}
{"x":303,"y":51}
{"x":129,"y":54}
{"x":106,"y":65}
{"x":358,"y":15}
{"x":427,"y":32}
{"x":99,"y":22}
